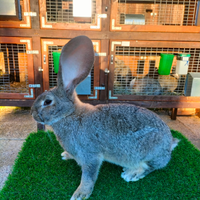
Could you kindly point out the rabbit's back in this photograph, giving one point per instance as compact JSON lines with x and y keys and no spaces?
{"x":127,"y":133}
{"x":123,"y":134}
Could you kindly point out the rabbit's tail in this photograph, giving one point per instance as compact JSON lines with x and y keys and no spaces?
{"x":175,"y":142}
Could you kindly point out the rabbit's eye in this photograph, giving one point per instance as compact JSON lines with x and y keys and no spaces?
{"x":47,"y":102}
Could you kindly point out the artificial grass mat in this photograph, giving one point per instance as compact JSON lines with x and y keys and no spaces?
{"x":40,"y":173}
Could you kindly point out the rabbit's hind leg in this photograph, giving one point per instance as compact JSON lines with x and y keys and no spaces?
{"x":135,"y":173}
{"x":66,"y":156}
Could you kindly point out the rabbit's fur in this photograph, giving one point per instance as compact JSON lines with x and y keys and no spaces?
{"x":168,"y":82}
{"x":127,"y":135}
{"x":145,"y":86}
{"x":122,"y":73}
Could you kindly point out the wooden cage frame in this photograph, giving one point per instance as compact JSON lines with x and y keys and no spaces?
{"x":150,"y":28}
{"x":28,"y":42}
{"x":152,"y":101}
{"x":70,"y":26}
{"x":105,"y":36}
{"x":26,"y":18}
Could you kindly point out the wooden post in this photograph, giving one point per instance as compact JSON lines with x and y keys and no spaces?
{"x":40,"y":127}
{"x":174,"y":113}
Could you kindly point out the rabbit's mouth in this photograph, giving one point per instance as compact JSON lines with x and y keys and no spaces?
{"x":37,"y":117}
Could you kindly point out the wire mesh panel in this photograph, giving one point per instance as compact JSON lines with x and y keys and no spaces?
{"x":71,"y":14}
{"x":136,"y":70}
{"x":157,"y":12}
{"x":53,"y":75}
{"x":62,"y":11}
{"x":13,"y":68}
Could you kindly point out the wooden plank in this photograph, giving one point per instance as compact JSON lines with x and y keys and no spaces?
{"x":106,"y":8}
{"x":37,"y":61}
{"x":186,"y":111}
{"x":35,"y":21}
{"x":104,"y":65}
{"x":13,"y":96}
{"x":158,"y":98}
{"x":159,"y":28}
{"x":157,"y":104}
{"x":19,"y":103}
{"x":147,"y":104}
{"x":111,"y":69}
{"x":149,"y":36}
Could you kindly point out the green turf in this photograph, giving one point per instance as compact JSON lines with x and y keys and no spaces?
{"x":39,"y":173}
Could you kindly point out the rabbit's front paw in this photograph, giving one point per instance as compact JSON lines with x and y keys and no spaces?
{"x":65,"y":155}
{"x":80,"y":195}
{"x":133,"y":174}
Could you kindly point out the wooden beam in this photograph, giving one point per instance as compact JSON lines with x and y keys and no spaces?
{"x":18,"y":103}
{"x":37,"y":63}
{"x":40,"y":127}
{"x":174,"y":113}
{"x":104,"y":65}
{"x":35,"y":21}
{"x":151,"y":36}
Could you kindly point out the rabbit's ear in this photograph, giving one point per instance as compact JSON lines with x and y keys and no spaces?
{"x":76,"y":61}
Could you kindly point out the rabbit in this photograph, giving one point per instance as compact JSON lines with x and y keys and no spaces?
{"x":145,"y":86}
{"x":127,"y":135}
{"x":168,"y":82}
{"x":122,"y":73}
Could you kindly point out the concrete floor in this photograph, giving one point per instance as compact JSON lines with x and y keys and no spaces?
{"x":16,"y":124}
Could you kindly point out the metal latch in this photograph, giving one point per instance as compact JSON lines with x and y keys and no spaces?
{"x":34,"y":85}
{"x":100,"y":54}
{"x":111,"y":59}
{"x":102,"y":15}
{"x":31,"y":14}
{"x":40,"y":69}
{"x":106,"y":71}
{"x":32,"y":52}
{"x":95,"y":95}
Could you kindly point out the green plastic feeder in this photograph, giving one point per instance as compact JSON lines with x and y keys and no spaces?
{"x":56,"y":57}
{"x":165,"y":64}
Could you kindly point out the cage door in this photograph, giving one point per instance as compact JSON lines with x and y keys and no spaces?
{"x":16,"y":68}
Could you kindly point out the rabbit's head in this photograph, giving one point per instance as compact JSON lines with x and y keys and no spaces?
{"x":76,"y":61}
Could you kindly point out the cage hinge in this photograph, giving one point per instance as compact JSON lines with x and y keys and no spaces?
{"x":40,"y":69}
{"x":32,"y":52}
{"x":95,"y":95}
{"x":110,"y":96}
{"x":102,"y":15}
{"x":31,"y":14}
{"x":29,"y":95}
{"x":99,"y":88}
{"x":100,"y":54}
{"x":34,"y":85}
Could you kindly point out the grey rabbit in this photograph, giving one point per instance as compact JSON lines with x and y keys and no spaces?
{"x":127,"y":135}
{"x":145,"y":86}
